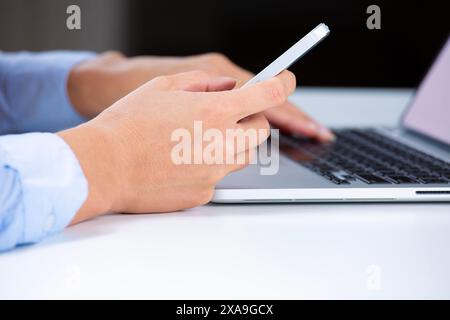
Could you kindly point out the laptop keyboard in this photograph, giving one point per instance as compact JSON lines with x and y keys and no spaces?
{"x":367,"y":156}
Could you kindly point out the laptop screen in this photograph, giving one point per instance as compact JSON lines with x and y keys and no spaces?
{"x":429,"y":112}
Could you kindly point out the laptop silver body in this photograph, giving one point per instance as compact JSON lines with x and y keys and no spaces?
{"x":424,"y":126}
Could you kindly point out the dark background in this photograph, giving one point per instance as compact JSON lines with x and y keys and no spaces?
{"x":252,"y":33}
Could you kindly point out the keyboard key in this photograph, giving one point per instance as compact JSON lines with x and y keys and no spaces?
{"x":402,"y":179}
{"x":387,"y":172}
{"x":372,"y":179}
{"x":368,"y":156}
{"x":336,"y":180}
{"x":428,"y":180}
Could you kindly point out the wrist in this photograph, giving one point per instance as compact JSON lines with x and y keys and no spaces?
{"x":95,"y":154}
{"x":79,"y":86}
{"x":92,"y":85}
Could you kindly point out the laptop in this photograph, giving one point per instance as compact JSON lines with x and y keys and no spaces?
{"x":403,"y":164}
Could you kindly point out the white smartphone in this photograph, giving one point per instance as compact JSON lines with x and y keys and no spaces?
{"x":292,"y":54}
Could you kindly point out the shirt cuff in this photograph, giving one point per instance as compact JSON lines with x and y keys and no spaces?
{"x":45,"y":106}
{"x":53,"y":186}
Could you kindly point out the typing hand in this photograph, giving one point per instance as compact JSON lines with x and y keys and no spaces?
{"x":96,"y":84}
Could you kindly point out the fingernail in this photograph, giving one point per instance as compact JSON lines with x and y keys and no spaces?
{"x":326,"y":134}
{"x":223,"y":79}
{"x":226,"y":78}
{"x":314,"y":127}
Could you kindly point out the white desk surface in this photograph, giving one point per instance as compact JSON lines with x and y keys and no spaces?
{"x":252,"y":251}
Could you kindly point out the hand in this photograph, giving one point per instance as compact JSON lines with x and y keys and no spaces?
{"x":125,"y":152}
{"x":96,"y":84}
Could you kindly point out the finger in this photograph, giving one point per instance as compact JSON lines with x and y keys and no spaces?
{"x":221,"y":84}
{"x":221,"y":65}
{"x":242,"y":160}
{"x":198,"y":81}
{"x":255,"y":129}
{"x":290,"y":118}
{"x":238,"y":73}
{"x":287,"y":117}
{"x":261,"y":96}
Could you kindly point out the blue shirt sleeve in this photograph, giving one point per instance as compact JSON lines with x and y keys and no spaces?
{"x":42,"y":186}
{"x":33,"y":91}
